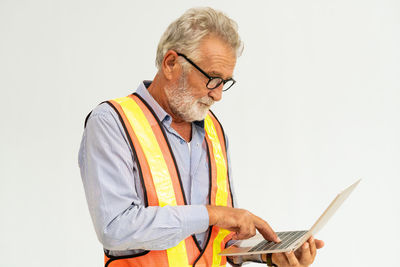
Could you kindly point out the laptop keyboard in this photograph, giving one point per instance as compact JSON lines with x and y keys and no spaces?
{"x":286,"y":237}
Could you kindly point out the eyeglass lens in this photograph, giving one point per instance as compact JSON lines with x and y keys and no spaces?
{"x":215,"y":82}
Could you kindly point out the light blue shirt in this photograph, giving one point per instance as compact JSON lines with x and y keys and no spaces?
{"x":114,"y":192}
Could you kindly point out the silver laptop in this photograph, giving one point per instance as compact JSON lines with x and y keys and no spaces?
{"x":291,"y":240}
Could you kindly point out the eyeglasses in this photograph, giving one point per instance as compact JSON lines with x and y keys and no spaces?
{"x":213,"y":82}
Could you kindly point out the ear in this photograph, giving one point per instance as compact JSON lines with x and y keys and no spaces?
{"x":170,"y":66}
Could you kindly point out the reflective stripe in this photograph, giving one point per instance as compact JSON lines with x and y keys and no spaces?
{"x":221,"y":136}
{"x":152,"y":151}
{"x":168,"y":157}
{"x":222,"y":233}
{"x":221,"y":198}
{"x":177,"y":256}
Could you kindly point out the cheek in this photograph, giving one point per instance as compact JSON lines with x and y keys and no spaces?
{"x":197,"y":85}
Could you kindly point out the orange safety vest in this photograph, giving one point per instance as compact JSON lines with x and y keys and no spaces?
{"x":162,"y":184}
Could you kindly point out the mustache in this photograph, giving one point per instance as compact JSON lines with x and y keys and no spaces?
{"x":206,"y":100}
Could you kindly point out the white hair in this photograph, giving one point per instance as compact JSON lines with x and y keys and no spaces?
{"x":184,"y":35}
{"x":184,"y":105}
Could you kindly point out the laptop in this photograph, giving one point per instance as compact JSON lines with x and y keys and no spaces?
{"x":291,"y":240}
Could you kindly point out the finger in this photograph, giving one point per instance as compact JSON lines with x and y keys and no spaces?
{"x":313,"y":247}
{"x":235,"y":237}
{"x":241,"y":233}
{"x":246,"y":231}
{"x":252,"y":230}
{"x":306,"y":258}
{"x":265,"y":230}
{"x":291,"y":258}
{"x":319,"y":243}
{"x":279,"y":259}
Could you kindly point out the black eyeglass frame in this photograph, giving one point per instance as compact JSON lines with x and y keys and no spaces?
{"x":210,"y":78}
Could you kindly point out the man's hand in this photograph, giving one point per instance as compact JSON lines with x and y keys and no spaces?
{"x":243,"y":222}
{"x":302,"y":257}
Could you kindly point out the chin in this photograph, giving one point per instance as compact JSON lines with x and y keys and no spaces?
{"x":196,"y":117}
{"x":202,"y":116}
{"x":198,"y":113}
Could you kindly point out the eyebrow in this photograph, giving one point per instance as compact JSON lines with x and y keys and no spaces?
{"x":218,"y":74}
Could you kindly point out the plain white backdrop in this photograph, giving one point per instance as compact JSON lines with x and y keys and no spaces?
{"x":316,"y":106}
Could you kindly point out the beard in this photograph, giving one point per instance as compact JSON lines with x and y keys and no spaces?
{"x":184,"y":105}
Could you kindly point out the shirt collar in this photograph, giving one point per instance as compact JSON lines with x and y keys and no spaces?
{"x":158,"y":110}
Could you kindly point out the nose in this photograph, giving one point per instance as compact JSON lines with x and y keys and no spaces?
{"x":216,"y":94}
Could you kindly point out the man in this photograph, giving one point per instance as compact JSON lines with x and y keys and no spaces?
{"x":155,"y":165}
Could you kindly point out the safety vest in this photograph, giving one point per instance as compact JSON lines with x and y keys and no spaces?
{"x":162,"y":184}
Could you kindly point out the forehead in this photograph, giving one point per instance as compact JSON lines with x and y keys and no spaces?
{"x":217,"y":57}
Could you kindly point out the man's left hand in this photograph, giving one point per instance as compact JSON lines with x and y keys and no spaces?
{"x":302,"y":257}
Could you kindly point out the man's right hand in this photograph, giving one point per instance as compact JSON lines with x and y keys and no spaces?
{"x":243,"y":222}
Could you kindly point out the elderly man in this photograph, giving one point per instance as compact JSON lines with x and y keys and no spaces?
{"x":155,"y":164}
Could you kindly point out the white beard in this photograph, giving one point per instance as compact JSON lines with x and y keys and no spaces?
{"x":184,"y":105}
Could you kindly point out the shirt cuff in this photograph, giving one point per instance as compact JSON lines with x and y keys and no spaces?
{"x":239,"y":260}
{"x":195,"y":219}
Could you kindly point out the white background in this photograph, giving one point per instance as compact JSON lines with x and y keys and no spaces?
{"x":316,"y":106}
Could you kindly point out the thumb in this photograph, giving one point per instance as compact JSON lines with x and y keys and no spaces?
{"x":319,"y":243}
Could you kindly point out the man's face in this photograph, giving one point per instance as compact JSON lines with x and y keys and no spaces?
{"x":184,"y":104}
{"x":190,"y":99}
